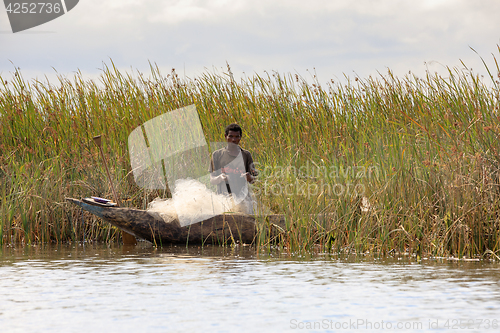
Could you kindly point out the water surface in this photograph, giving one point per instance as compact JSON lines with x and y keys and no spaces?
{"x":177,"y":289}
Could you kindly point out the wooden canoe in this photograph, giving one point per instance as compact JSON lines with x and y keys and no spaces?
{"x":220,"y":229}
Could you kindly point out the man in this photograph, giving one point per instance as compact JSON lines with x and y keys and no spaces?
{"x":232,"y":166}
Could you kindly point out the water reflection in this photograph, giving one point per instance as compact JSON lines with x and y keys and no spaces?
{"x":222,"y":289}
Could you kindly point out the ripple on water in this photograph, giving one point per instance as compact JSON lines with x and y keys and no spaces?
{"x":179,"y":289}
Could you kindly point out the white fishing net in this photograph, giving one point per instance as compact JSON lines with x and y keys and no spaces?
{"x":193,"y":202}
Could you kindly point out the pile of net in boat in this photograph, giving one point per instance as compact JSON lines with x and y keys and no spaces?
{"x":193,"y":202}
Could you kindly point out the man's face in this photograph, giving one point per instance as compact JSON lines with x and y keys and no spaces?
{"x":233,"y":137}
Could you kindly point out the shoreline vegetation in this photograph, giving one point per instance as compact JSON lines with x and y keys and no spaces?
{"x":404,"y":164}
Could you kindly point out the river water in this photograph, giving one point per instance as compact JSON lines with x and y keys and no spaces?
{"x":105,"y":288}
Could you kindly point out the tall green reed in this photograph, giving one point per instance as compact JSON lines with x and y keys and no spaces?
{"x":385,"y":164}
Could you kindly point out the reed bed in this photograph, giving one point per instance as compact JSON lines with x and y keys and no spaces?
{"x":382,"y":165}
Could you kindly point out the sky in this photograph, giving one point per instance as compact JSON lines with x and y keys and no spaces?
{"x":332,"y":39}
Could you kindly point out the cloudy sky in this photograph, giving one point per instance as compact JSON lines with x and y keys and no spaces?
{"x":334,"y":38}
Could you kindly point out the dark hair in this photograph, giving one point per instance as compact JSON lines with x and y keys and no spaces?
{"x":233,"y":127}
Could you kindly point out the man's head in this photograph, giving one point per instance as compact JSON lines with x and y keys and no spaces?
{"x":233,"y":133}
{"x":235,"y":128}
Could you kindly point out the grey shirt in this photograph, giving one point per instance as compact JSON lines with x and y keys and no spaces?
{"x":233,"y":167}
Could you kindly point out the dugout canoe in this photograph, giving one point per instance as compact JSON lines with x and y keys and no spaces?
{"x":220,"y":229}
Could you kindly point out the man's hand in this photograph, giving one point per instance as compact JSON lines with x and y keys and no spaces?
{"x":222,"y":177}
{"x":248,"y":176}
{"x":219,"y":179}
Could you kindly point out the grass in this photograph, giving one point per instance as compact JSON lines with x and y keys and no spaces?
{"x":403,"y":164}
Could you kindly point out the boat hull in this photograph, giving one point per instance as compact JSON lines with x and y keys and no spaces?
{"x":219,"y":229}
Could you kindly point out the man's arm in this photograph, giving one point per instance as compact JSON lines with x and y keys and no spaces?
{"x":214,"y":178}
{"x":251,"y":173}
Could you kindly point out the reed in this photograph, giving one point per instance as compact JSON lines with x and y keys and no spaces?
{"x":387,"y":164}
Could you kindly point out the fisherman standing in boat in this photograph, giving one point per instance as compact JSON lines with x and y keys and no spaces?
{"x":232,"y":167}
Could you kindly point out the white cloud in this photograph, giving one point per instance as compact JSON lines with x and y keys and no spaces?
{"x":334,"y":37}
